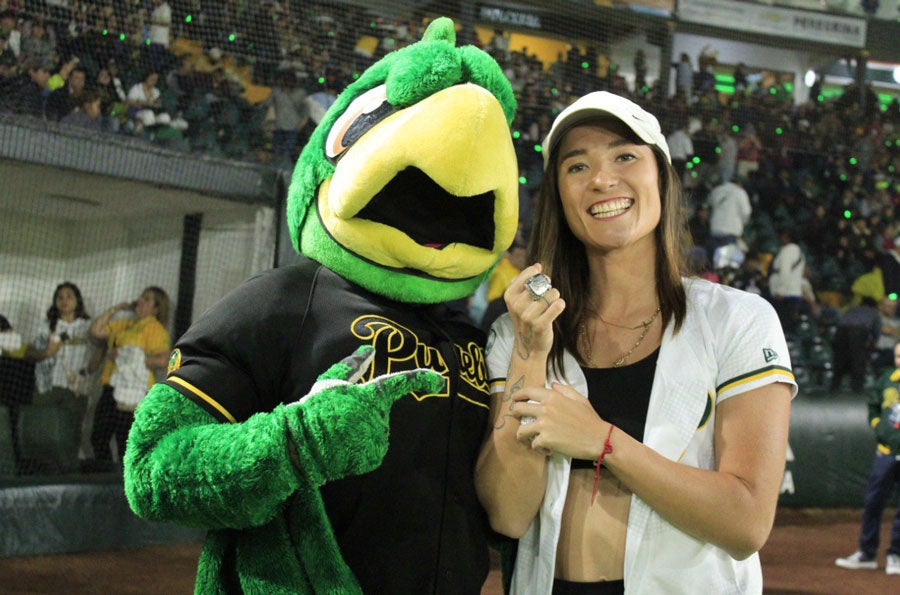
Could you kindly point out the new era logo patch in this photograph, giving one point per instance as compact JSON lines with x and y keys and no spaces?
{"x":770,"y":354}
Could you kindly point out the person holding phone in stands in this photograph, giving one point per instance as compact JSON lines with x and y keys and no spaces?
{"x":136,"y":346}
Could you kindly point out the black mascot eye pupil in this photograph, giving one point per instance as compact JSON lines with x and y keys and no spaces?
{"x":365,"y":122}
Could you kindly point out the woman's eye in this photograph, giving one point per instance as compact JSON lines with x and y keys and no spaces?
{"x":362,"y":114}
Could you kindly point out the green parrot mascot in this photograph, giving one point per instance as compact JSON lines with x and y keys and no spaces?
{"x":272,"y":428}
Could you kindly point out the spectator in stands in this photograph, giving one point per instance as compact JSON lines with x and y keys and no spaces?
{"x":10,"y":341}
{"x":8,"y":83}
{"x":113,"y":107}
{"x":88,"y":114}
{"x":890,"y":334}
{"x":684,"y":78}
{"x":289,"y":102}
{"x":136,"y":347}
{"x":31,"y":88}
{"x":65,"y":100}
{"x":64,"y":355}
{"x":9,"y":31}
{"x":121,"y":93}
{"x":748,"y":152}
{"x":786,"y":275}
{"x":889,"y":262}
{"x":681,"y":146}
{"x":145,"y":105}
{"x":727,"y":163}
{"x":729,"y":211}
{"x":857,"y":333}
{"x":158,"y":55}
{"x":884,"y":418}
{"x":38,"y":44}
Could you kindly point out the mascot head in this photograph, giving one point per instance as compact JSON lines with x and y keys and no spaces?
{"x":409,"y":184}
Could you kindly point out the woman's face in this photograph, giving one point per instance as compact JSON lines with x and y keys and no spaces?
{"x":609,"y":187}
{"x":65,"y":301}
{"x":146,"y":305}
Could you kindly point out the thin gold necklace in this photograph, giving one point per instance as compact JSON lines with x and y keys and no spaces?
{"x":587,"y":342}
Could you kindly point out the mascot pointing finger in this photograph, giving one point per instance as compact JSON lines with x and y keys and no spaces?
{"x":322,"y":421}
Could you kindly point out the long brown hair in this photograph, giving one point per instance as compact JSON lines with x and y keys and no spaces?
{"x":162,"y":302}
{"x":564,"y":257}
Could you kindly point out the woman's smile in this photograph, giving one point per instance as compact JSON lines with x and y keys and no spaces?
{"x":610,"y":208}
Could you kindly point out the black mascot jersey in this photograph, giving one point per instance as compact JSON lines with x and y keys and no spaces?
{"x":265,"y":344}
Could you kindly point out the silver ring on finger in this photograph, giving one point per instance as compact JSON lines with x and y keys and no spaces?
{"x":538,"y":285}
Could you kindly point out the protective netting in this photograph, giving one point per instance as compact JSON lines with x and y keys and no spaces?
{"x":144,"y":144}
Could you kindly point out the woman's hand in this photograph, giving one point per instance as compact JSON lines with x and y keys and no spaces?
{"x":532,"y":318}
{"x":564,"y":421}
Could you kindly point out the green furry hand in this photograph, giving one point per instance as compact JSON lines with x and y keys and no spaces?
{"x":341,"y":427}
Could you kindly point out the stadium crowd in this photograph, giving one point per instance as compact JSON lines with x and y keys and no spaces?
{"x":249,"y":81}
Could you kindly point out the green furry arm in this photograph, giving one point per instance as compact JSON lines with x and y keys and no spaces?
{"x":182,"y":465}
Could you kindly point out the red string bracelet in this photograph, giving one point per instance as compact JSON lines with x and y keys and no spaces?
{"x":607,"y":448}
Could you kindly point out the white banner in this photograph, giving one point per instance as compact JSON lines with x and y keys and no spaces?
{"x":771,"y":20}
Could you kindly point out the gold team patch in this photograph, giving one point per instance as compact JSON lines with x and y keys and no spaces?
{"x":174,"y":361}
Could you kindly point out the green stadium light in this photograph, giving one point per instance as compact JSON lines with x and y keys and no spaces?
{"x":585,"y":64}
{"x":188,"y":19}
{"x":689,"y":165}
{"x":779,"y":131}
{"x":517,"y":135}
{"x":121,"y":37}
{"x":106,"y":32}
{"x":696,"y":160}
{"x":853,"y":161}
{"x":727,"y":89}
{"x":523,"y":180}
{"x":842,"y":177}
{"x":718,"y":150}
{"x":231,"y":37}
{"x":693,"y":174}
{"x":537,"y":148}
{"x":147,"y":42}
{"x":772,"y":91}
{"x":725,"y":78}
{"x":735,"y":128}
{"x":321,"y":80}
{"x":555,"y":91}
{"x":892,"y":296}
{"x":820,"y":98}
{"x":847,"y":214}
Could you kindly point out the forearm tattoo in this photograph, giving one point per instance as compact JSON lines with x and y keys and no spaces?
{"x":507,"y":395}
{"x":523,"y":345}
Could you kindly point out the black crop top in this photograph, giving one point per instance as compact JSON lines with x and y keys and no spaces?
{"x":621,"y":397}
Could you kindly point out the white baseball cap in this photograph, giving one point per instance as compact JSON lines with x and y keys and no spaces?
{"x":600,"y":103}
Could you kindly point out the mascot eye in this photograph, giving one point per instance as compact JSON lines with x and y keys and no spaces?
{"x":362,"y":114}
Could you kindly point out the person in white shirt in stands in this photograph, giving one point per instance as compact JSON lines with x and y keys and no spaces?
{"x":786,"y":280}
{"x":66,"y":359}
{"x":681,"y":147}
{"x":729,"y":211}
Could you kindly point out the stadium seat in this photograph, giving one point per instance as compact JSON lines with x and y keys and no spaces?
{"x":48,"y":438}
